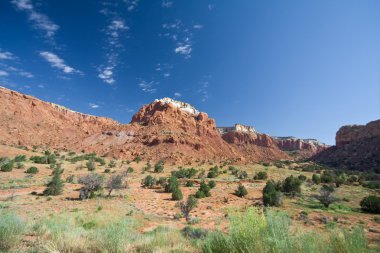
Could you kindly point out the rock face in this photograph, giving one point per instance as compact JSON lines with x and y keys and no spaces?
{"x":304,"y":147}
{"x":357,"y":148}
{"x":353,"y":133}
{"x":165,"y":129}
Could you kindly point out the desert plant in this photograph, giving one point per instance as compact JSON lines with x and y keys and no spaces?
{"x":271,"y":197}
{"x":291,"y":186}
{"x":91,"y":166}
{"x":148,"y":182}
{"x":19,"y":158}
{"x":203,"y":191}
{"x":130,"y":170}
{"x":325,"y":196}
{"x":172,"y":184}
{"x":11,"y":230}
{"x":55,"y":186}
{"x":159,"y":167}
{"x":262,"y":175}
{"x":302,"y":178}
{"x":32,"y":170}
{"x":20,"y":165}
{"x":188,"y":206}
{"x":7,"y":167}
{"x":177,"y":194}
{"x":371,"y":204}
{"x":211,"y":184}
{"x":241,"y":191}
{"x":137,"y":159}
{"x":213,"y":172}
{"x":185,"y":173}
{"x":242,"y":174}
{"x":115,"y":182}
{"x":189,"y":183}
{"x":90,"y":184}
{"x":316,"y":179}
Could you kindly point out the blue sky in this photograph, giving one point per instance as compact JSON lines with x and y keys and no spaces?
{"x":300,"y":68}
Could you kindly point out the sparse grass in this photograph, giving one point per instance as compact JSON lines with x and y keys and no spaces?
{"x":11,"y":231}
{"x":253,"y":231}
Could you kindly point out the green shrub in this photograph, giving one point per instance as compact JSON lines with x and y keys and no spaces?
{"x":242,"y":174}
{"x":91,"y":165}
{"x":203,"y":191}
{"x":55,"y":186}
{"x":371,"y":204}
{"x":211,"y":184}
{"x":185,"y":173}
{"x":177,"y":194}
{"x":159,"y":167}
{"x":213,"y":172}
{"x":130,"y":170}
{"x":148,"y":182}
{"x":137,"y":159}
{"x":19,"y":158}
{"x":47,"y":158}
{"x":187,"y":206}
{"x":11,"y":231}
{"x":241,"y":191}
{"x":190,"y":232}
{"x":7,"y":167}
{"x":291,"y":186}
{"x":172,"y":184}
{"x":271,"y":196}
{"x":32,"y":170}
{"x":189,"y":183}
{"x":302,"y":178}
{"x":262,"y":175}
{"x":316,"y":179}
{"x":90,"y":184}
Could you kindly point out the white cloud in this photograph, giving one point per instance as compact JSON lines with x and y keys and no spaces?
{"x":40,"y":21}
{"x":166,"y":74}
{"x":106,"y":74}
{"x":184,"y":50}
{"x":167,"y":4}
{"x":182,"y":36}
{"x":147,"y":86}
{"x":3,"y":73}
{"x":41,"y":86}
{"x":4,"y":55}
{"x":210,"y":7}
{"x":93,"y":106}
{"x":26,"y":74}
{"x":177,"y":95}
{"x":57,"y":62}
{"x":131,"y":4}
{"x":205,"y":83}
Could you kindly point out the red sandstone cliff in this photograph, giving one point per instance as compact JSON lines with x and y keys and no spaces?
{"x":357,"y":148}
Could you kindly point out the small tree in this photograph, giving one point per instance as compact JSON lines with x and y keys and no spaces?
{"x":371,"y":204}
{"x":213,"y":173}
{"x":7,"y":167}
{"x":148,"y":182}
{"x":316,"y":179}
{"x":325,"y":196}
{"x":241,"y":191}
{"x":32,"y":170}
{"x":242,"y":174}
{"x":262,"y":175}
{"x":292,"y":186}
{"x":55,"y":186}
{"x":115,"y":182}
{"x":271,"y":197}
{"x":91,"y":165}
{"x":211,"y":184}
{"x":188,"y":206}
{"x":204,"y":191}
{"x":177,"y":194}
{"x":172,"y":184}
{"x":91,"y":183}
{"x":159,"y":167}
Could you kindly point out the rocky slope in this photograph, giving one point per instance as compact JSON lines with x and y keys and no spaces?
{"x":164,"y":129}
{"x":357,"y":148}
{"x":302,"y":148}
